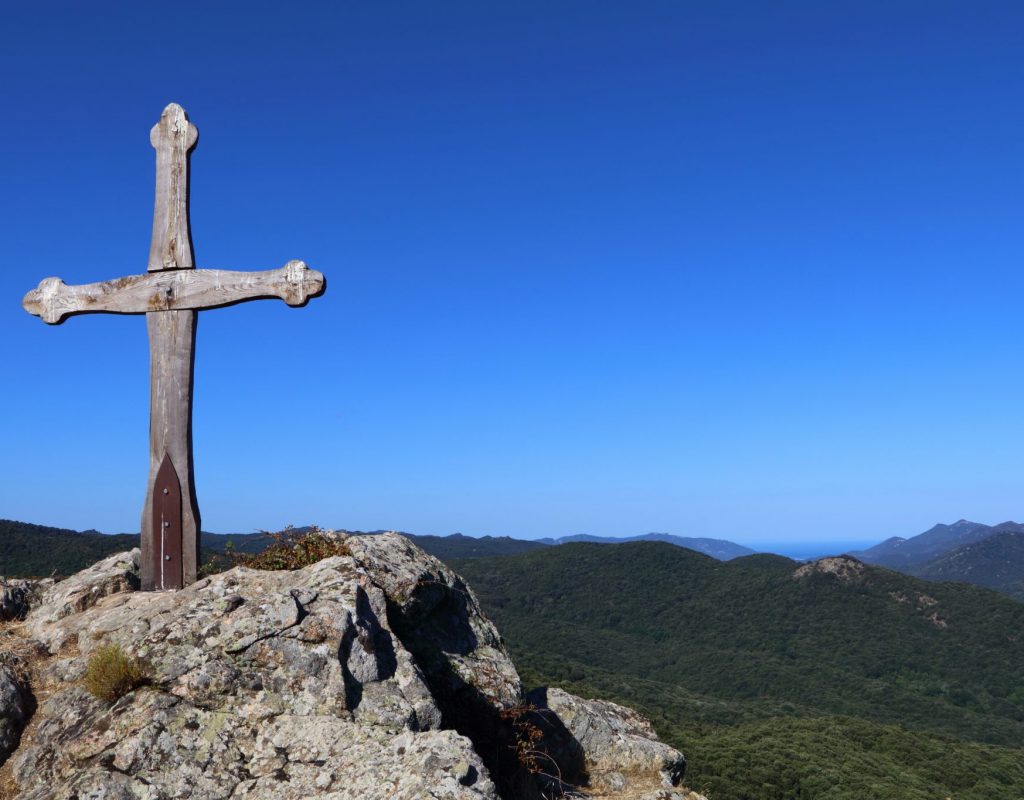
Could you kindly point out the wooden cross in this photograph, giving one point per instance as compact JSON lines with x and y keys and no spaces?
{"x":170,"y":294}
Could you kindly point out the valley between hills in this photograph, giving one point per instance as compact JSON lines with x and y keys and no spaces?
{"x":834,"y":680}
{"x":780,"y":680}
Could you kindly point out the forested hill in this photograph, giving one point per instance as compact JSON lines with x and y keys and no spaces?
{"x":29,"y":550}
{"x":40,"y":551}
{"x":717,"y":652}
{"x":721,"y":549}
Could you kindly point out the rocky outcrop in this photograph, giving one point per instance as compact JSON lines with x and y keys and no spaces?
{"x":114,"y":575}
{"x":606,"y":742}
{"x":17,"y":596}
{"x":369,"y":674}
{"x":845,"y":569}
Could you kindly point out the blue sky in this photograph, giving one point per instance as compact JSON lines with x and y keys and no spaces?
{"x":743,"y":270}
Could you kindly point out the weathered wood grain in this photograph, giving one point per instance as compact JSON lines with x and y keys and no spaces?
{"x":171,"y":368}
{"x":172,"y":336}
{"x":53,"y":300}
{"x":173,"y":138}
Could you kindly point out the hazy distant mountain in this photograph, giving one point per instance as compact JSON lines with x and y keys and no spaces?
{"x":720,"y":549}
{"x":907,"y":555}
{"x":996,"y":562}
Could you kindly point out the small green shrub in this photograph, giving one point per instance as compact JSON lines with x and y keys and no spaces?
{"x":112,"y":673}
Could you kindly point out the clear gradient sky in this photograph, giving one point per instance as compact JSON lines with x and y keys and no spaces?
{"x":744,"y":270}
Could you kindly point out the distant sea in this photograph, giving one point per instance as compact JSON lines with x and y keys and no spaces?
{"x":809,"y":551}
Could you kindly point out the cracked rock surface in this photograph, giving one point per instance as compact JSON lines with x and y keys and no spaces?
{"x":367,"y":675}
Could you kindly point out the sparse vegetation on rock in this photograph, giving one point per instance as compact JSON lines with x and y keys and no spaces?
{"x":292,"y":550}
{"x":112,"y":673}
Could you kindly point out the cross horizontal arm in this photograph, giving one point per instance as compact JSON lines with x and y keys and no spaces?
{"x":53,"y":300}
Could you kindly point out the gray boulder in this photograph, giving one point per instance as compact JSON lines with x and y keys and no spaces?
{"x":369,"y":674}
{"x":613,"y":746}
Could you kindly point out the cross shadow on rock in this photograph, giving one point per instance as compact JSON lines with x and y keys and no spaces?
{"x":366,"y":652}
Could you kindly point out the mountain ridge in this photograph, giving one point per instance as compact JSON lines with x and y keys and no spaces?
{"x":722,"y":549}
{"x":21,"y":556}
{"x":913,"y":553}
{"x":996,"y":562}
{"x":67,"y":551}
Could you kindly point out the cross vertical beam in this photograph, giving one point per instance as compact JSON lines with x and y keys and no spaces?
{"x":171,"y":362}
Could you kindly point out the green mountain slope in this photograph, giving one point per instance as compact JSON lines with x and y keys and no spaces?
{"x":721,"y":549}
{"x":841,"y":758}
{"x":996,"y":562}
{"x":40,"y":551}
{"x":760,"y":655}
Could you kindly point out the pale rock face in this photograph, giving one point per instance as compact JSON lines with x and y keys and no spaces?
{"x":115,"y":574}
{"x":367,"y":675}
{"x":615,"y":746}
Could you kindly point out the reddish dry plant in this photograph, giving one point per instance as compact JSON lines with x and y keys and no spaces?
{"x":289,"y":551}
{"x":527,"y":735}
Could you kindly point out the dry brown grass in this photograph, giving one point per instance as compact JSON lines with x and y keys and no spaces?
{"x":112,"y":673}
{"x":25,"y":657}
